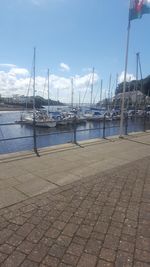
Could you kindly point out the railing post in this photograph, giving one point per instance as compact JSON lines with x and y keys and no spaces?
{"x":34,"y":135}
{"x":104,"y":126}
{"x":144,"y":121}
{"x":126,"y":123}
{"x":74,"y":130}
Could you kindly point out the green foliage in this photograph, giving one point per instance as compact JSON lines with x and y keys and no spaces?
{"x":142,"y":85}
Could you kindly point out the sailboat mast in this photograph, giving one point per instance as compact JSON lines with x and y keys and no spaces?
{"x":129,"y":88}
{"x":34,"y":115}
{"x":57,"y":94}
{"x":100,"y":97}
{"x":34,"y":59}
{"x":72,"y":92}
{"x":115,"y":91}
{"x":92,"y":86}
{"x":136,"y":85}
{"x":109,"y":93}
{"x":48,"y":88}
{"x":142,"y":80}
{"x":79,"y":99}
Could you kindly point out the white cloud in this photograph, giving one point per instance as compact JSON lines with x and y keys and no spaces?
{"x":129,"y":77}
{"x":19,"y":71}
{"x":7,"y":66}
{"x":16,"y":81}
{"x":64,"y":67}
{"x":82,"y":82}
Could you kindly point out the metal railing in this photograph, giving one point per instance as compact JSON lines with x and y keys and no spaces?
{"x":74,"y":131}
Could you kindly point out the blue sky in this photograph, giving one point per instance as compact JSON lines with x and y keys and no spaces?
{"x":71,"y":37}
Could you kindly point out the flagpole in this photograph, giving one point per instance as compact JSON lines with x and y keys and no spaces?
{"x":125,"y":78}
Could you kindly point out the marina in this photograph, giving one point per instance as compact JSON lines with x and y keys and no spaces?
{"x":73,"y":131}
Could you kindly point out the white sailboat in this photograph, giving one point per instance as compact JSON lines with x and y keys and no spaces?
{"x":41,"y":117}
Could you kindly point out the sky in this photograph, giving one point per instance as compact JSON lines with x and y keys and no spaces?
{"x":71,"y":38}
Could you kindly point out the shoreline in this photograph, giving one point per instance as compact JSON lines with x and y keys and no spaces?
{"x":11,"y":108}
{"x":15,"y":108}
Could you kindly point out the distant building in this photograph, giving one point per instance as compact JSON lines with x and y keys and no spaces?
{"x":133,"y":96}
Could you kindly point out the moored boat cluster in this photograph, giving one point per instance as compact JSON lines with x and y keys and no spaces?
{"x":42,"y":118}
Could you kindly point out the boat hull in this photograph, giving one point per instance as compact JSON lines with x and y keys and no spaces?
{"x":42,"y":124}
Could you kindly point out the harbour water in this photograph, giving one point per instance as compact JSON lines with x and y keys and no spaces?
{"x":53,"y":136}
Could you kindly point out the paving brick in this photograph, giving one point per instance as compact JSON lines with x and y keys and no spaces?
{"x":140,"y":264}
{"x":3,"y":257}
{"x":47,"y":241}
{"x":126,"y":246}
{"x":79,"y":240}
{"x":26,"y":247}
{"x":101,"y":227}
{"x":59,"y":225}
{"x":65,"y":217}
{"x":143,"y":243}
{"x":44,"y":225}
{"x":70,"y":229}
{"x":25,"y":229}
{"x":20,"y":220}
{"x":50,"y":261}
{"x":142,"y":255}
{"x":35,"y":220}
{"x":111,"y":242}
{"x":52,"y":233}
{"x":6,"y":249}
{"x":57,"y":251}
{"x":76,"y":220}
{"x":97,"y":236}
{"x":13,"y":227}
{"x":89,"y":222}
{"x":81,"y":212}
{"x":70,"y":259}
{"x":35,"y":235}
{"x":3,"y":225}
{"x":87,"y":260}
{"x":144,"y":230}
{"x":38,"y":253}
{"x":63,"y":241}
{"x":102,"y":263}
{"x":130,"y":223}
{"x":114,"y":231}
{"x":93,"y":246}
{"x":4,"y":235}
{"x":124,"y":259}
{"x":128,"y":230}
{"x":15,"y":259}
{"x":15,"y":240}
{"x":75,"y":249}
{"x":84,"y":231}
{"x":128,"y":238}
{"x":108,"y":254}
{"x":117,"y":225}
{"x":28,"y":263}
{"x":63,"y":265}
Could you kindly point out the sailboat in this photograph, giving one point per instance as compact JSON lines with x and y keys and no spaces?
{"x":41,"y":117}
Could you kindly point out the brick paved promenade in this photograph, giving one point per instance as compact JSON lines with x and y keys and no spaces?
{"x":98,"y":221}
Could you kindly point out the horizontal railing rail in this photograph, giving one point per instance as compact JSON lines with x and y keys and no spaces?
{"x":55,"y":133}
{"x":72,"y":130}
